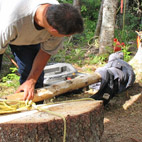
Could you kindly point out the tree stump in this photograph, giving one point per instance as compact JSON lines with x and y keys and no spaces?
{"x":84,"y":123}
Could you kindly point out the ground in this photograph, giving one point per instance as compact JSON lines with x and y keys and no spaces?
{"x":123,"y":125}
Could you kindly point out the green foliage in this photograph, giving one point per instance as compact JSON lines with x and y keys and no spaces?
{"x":73,"y":55}
{"x":11,"y":79}
{"x":98,"y":59}
{"x":87,"y":35}
{"x":127,"y":53}
{"x":90,"y":9}
{"x":66,"y":1}
{"x":126,"y":32}
{"x":125,"y":35}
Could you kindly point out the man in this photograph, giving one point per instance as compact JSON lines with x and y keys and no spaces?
{"x":34,"y":30}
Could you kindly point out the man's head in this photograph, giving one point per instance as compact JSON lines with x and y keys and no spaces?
{"x":65,"y":18}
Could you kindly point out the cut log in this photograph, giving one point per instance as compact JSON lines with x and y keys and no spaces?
{"x":60,"y":88}
{"x":84,"y":123}
{"x":136,"y":61}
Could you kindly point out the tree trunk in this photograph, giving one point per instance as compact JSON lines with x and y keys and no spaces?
{"x":76,"y":3}
{"x":1,"y":56}
{"x":84,"y":123}
{"x":108,"y":24}
{"x":59,"y":88}
{"x":127,"y":4}
{"x":99,"y":22}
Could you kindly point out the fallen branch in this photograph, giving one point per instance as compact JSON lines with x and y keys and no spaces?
{"x":133,"y":99}
{"x":11,"y":60}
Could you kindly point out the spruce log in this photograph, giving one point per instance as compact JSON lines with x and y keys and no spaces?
{"x":136,"y":61}
{"x":84,"y":123}
{"x":60,"y":88}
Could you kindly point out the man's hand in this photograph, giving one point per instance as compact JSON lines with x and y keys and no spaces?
{"x":28,"y":88}
{"x":38,"y":65}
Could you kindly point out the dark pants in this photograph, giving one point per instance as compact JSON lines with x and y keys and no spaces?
{"x":1,"y":55}
{"x":24,"y":56}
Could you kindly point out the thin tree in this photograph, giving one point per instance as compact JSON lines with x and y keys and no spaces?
{"x":108,"y":24}
{"x":99,"y":22}
{"x":77,"y":4}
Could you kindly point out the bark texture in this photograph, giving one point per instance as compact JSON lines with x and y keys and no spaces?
{"x":84,"y":124}
{"x":99,"y":22}
{"x":108,"y":23}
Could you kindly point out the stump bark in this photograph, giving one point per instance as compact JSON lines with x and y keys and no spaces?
{"x":84,"y":123}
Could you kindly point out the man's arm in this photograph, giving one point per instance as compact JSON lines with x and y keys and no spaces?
{"x":38,"y":65}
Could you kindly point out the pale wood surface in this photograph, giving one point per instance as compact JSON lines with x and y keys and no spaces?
{"x":60,"y":88}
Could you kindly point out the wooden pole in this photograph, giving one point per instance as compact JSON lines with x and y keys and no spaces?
{"x":60,"y":88}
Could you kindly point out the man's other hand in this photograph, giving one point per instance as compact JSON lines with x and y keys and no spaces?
{"x":28,"y":87}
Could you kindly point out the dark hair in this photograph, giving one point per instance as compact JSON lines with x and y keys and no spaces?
{"x":65,"y":18}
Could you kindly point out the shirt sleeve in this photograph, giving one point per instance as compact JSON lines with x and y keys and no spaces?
{"x":52,"y":45}
{"x":7,"y":35}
